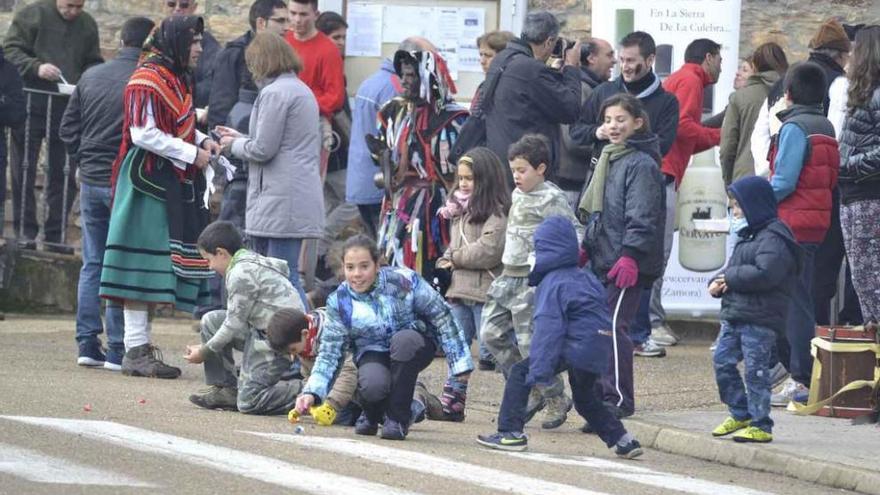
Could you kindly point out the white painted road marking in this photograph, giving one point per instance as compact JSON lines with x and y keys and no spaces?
{"x":237,"y":462}
{"x":645,"y":476}
{"x":40,"y":468}
{"x":495,"y":479}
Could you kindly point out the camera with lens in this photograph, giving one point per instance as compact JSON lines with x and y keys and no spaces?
{"x":562,"y":45}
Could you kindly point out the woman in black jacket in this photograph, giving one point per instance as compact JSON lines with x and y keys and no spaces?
{"x":860,"y":172}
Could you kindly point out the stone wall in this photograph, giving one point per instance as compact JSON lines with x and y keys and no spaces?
{"x":227,"y":19}
{"x":788,"y":22}
{"x":791,"y":23}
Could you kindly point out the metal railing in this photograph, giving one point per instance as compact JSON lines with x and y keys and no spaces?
{"x":51,"y":132}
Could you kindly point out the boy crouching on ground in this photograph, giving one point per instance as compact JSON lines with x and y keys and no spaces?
{"x":257,"y":287}
{"x":573,"y":333}
{"x":755,"y":290}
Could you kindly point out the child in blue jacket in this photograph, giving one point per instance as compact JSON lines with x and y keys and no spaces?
{"x":756,"y":290}
{"x":573,"y":333}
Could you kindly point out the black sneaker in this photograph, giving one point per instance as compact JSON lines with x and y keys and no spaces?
{"x":393,"y":430}
{"x":90,"y":354}
{"x":364,"y":426}
{"x":486,"y":365}
{"x":217,"y":397}
{"x":587,"y":428}
{"x":515,"y":442}
{"x":146,"y":360}
{"x":629,"y":451}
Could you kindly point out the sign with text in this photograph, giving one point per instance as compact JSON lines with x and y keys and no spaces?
{"x":674,"y":24}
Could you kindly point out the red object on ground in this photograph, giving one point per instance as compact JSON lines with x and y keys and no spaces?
{"x":142,"y":401}
{"x":87,"y":408}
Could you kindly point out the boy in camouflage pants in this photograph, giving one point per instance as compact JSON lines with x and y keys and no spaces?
{"x":257,"y":287}
{"x":508,"y":311}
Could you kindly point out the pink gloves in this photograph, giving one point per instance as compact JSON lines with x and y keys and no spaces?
{"x":625,"y":272}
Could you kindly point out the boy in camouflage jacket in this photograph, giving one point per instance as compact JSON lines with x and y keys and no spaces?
{"x":257,"y":287}
{"x":507,"y":317}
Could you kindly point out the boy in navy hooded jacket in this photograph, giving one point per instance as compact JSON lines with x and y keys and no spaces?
{"x":572,"y":332}
{"x":755,"y":290}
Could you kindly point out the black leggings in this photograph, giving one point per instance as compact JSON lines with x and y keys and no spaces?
{"x":386,"y":380}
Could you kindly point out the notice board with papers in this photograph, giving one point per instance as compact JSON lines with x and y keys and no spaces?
{"x":377,"y":28}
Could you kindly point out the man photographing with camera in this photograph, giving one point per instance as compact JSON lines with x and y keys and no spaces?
{"x":523,"y":95}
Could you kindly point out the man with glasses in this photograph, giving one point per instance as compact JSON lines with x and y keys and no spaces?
{"x":204,"y":72}
{"x":49,"y":41}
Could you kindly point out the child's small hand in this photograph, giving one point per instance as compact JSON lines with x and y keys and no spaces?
{"x":717,"y":287}
{"x":193,"y":354}
{"x":304,"y":402}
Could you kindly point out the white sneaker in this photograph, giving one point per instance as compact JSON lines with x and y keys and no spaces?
{"x":786,"y":395}
{"x":663,"y":335}
{"x":778,"y":374}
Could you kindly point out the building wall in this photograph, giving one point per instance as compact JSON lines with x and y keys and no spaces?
{"x":789,"y":22}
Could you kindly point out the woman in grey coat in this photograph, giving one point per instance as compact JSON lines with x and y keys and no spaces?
{"x":285,"y":202}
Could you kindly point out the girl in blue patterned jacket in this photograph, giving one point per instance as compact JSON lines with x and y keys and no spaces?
{"x":392,"y":320}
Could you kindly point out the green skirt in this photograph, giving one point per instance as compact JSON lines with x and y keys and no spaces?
{"x":137,"y":258}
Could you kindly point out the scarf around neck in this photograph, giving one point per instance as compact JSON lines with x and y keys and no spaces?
{"x":456,"y":205}
{"x":594,"y":196}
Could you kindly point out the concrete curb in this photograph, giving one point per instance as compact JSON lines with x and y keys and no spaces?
{"x":760,"y":458}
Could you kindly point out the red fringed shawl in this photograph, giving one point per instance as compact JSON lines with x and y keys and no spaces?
{"x":173,"y":112}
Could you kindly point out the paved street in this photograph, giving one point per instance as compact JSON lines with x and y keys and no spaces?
{"x":66,"y":429}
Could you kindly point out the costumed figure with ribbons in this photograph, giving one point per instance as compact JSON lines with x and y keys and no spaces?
{"x":417,"y":130}
{"x":158,"y":207}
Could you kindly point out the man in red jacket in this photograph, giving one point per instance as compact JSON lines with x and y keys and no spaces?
{"x":702,"y":67}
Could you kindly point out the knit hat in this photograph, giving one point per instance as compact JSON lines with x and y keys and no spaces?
{"x":831,"y":35}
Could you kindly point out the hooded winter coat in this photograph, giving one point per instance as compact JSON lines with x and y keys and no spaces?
{"x":765,"y":262}
{"x":633,"y":216}
{"x":739,"y":122}
{"x":571,"y":319}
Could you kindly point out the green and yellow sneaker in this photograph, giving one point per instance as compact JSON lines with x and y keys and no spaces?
{"x":729,"y":426}
{"x":753,"y":435}
{"x":516,"y":442}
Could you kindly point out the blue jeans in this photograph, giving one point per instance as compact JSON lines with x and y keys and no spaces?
{"x":754,"y":344}
{"x":801,"y":325}
{"x":469,"y":315}
{"x":587,"y":402}
{"x":94,"y":203}
{"x":284,"y":249}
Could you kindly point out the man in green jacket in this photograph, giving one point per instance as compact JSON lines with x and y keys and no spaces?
{"x":49,"y":41}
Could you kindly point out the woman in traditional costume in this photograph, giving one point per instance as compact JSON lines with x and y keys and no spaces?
{"x":158,"y":207}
